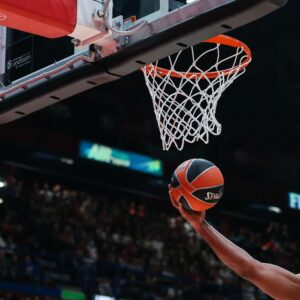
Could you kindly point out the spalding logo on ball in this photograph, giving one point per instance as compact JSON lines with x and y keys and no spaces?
{"x":198,"y":184}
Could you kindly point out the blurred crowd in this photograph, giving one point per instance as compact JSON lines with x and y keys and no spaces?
{"x":18,"y":296}
{"x":51,"y":236}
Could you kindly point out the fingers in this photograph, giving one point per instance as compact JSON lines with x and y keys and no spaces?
{"x":185,"y":213}
{"x":173,"y":201}
{"x":202,"y":216}
{"x":176,"y":204}
{"x":190,"y":214}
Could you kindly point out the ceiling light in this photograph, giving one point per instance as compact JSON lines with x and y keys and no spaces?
{"x":275,"y":209}
{"x":2,"y":184}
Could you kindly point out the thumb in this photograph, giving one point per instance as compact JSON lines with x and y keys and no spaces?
{"x":182,"y":211}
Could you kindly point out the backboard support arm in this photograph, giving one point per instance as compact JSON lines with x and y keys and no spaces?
{"x":182,"y":28}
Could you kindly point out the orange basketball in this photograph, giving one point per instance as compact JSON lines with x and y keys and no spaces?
{"x":198,"y":184}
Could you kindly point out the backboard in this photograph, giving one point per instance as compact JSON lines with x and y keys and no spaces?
{"x":112,"y":41}
{"x":25,"y":53}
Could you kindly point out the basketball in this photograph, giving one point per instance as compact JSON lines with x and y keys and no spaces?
{"x":198,"y":184}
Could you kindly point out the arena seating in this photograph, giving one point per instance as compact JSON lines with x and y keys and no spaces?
{"x":52,"y":235}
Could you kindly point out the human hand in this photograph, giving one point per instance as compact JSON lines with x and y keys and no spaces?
{"x":196,"y":219}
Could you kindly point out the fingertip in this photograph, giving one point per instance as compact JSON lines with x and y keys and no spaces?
{"x":174,"y":203}
{"x":180,"y":207}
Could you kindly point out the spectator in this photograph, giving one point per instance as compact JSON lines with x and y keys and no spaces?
{"x":4,"y":266}
{"x":70,"y":237}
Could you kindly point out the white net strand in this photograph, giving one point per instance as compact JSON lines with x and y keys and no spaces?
{"x":185,"y":103}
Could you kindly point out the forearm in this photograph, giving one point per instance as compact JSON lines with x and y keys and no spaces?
{"x":237,"y":259}
{"x":277,"y":282}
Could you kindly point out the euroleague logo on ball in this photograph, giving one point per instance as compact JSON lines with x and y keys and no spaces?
{"x":2,"y":16}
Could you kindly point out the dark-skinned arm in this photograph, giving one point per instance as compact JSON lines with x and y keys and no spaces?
{"x":275,"y":281}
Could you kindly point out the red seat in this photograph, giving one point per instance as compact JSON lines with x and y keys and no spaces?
{"x":48,"y":18}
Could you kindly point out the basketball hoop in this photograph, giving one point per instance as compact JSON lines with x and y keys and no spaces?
{"x":185,"y":102}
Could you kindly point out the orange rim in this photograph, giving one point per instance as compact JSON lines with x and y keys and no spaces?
{"x":219,"y":39}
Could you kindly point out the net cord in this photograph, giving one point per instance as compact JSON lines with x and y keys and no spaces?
{"x":187,"y":114}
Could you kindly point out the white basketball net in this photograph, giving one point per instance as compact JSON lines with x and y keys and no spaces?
{"x":185,"y":102}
